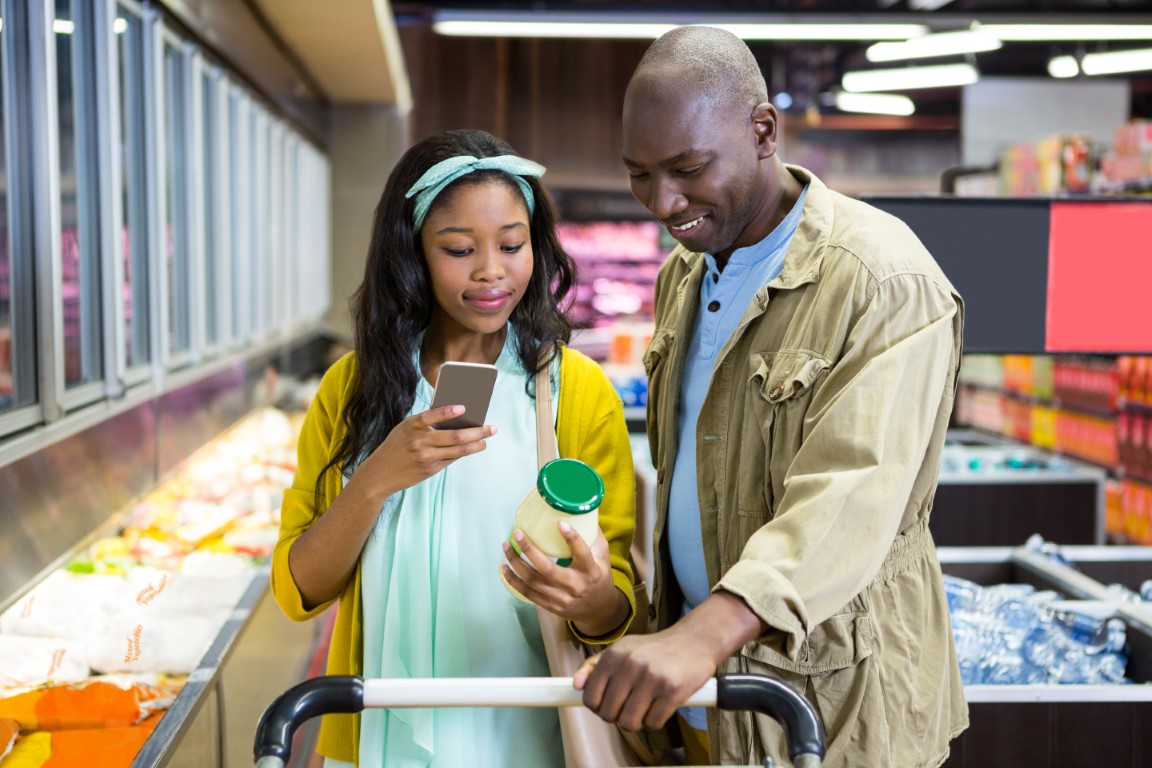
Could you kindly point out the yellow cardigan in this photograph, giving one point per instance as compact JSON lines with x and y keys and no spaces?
{"x":590,"y":427}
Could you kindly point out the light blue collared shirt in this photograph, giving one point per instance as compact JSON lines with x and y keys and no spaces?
{"x":724,"y":296}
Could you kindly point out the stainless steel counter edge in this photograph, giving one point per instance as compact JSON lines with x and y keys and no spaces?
{"x":1055,"y":694}
{"x":170,"y":730}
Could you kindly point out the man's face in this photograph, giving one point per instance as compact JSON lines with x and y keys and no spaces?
{"x":693,"y":163}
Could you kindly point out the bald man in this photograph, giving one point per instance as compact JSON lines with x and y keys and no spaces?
{"x":801,"y":376}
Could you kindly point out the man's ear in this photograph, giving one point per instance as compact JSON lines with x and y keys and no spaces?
{"x":765,"y":123}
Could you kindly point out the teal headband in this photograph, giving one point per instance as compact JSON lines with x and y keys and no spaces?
{"x":445,"y":172}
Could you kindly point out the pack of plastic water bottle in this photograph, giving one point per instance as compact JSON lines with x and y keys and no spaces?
{"x":1014,"y":634}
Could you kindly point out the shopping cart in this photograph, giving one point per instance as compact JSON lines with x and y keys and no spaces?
{"x":326,"y":695}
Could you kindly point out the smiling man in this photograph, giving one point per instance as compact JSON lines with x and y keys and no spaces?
{"x":801,"y":377}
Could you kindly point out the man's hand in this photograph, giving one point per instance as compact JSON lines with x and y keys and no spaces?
{"x":640,"y":681}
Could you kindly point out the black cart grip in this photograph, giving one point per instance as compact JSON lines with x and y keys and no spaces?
{"x":317,"y":696}
{"x":769,"y":696}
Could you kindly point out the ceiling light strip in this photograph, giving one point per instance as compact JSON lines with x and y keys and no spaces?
{"x":943,"y":44}
{"x":1070,"y":32}
{"x":1115,"y":62}
{"x":651,"y":26}
{"x":909,"y":78}
{"x":875,"y":103}
{"x":1063,"y":67}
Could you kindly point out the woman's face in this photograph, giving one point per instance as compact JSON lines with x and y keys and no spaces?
{"x":479,"y":252}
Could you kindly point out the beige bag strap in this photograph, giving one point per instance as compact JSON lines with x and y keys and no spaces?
{"x":545,"y":423}
{"x":589,"y":742}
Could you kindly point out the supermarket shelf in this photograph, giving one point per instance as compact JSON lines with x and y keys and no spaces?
{"x":1128,"y":405}
{"x":1055,"y":403}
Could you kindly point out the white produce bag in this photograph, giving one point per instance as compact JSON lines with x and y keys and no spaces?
{"x":26,"y":662}
{"x":150,"y":620}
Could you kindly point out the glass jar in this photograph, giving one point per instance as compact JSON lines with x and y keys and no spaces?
{"x":567,"y":490}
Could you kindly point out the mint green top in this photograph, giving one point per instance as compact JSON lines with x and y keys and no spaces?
{"x":434,"y":604}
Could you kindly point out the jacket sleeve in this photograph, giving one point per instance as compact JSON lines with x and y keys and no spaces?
{"x":848,"y":487}
{"x":299,"y":510}
{"x":591,"y":428}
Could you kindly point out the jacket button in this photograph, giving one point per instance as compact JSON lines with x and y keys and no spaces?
{"x":776,"y":392}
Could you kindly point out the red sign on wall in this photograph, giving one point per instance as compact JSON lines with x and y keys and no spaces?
{"x":1100,"y":277}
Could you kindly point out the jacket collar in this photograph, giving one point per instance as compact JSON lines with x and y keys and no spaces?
{"x":806,"y":249}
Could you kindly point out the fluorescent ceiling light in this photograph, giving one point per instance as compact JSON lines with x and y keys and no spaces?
{"x":1114,"y":62}
{"x":943,"y":44}
{"x":651,"y":26}
{"x":120,"y":26}
{"x":63,"y":26}
{"x":1063,"y":66}
{"x":823,"y":31}
{"x":1074,"y":32}
{"x":589,"y":29}
{"x":907,"y":78}
{"x":875,"y":103}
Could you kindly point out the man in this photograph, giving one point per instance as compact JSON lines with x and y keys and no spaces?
{"x":801,"y":376}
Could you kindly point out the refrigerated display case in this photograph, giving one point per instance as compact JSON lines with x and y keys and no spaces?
{"x":1060,"y":725}
{"x":166,"y":499}
{"x":994,"y":492}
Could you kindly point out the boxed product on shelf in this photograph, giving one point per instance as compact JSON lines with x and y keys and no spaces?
{"x":1134,"y":380}
{"x":1092,"y":438}
{"x":1091,"y":383}
{"x":1133,"y":520}
{"x":1130,"y":158}
{"x":983,"y":371}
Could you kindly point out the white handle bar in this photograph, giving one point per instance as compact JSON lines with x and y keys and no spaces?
{"x":492,"y":692}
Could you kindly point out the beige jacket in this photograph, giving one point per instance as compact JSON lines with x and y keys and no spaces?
{"x":818,"y":448}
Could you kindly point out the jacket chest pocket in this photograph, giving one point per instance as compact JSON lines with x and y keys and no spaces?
{"x":657,"y":361}
{"x":779,"y":392}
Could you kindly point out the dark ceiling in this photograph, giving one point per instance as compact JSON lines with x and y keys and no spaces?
{"x":806,"y":70}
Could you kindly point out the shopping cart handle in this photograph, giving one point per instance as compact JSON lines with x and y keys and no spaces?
{"x":346,"y":693}
{"x":769,"y":696}
{"x":313,"y":697}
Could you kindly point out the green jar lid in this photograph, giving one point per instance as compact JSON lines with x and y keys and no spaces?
{"x":570,"y":485}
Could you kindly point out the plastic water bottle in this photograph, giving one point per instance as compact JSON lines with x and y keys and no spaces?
{"x":1048,"y":549}
{"x":961,"y":593}
{"x":1146,"y":591}
{"x":1013,"y":634}
{"x":1122,"y":594}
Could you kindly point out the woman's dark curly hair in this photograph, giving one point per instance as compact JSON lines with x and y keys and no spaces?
{"x":393,"y":304}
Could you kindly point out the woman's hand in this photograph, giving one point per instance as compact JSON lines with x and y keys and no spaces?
{"x":582,"y":593}
{"x":415,"y":450}
{"x":324,"y":558}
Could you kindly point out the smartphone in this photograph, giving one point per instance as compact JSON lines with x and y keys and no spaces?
{"x":466,"y":384}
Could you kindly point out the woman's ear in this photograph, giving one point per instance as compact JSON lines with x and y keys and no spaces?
{"x":765,"y":123}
